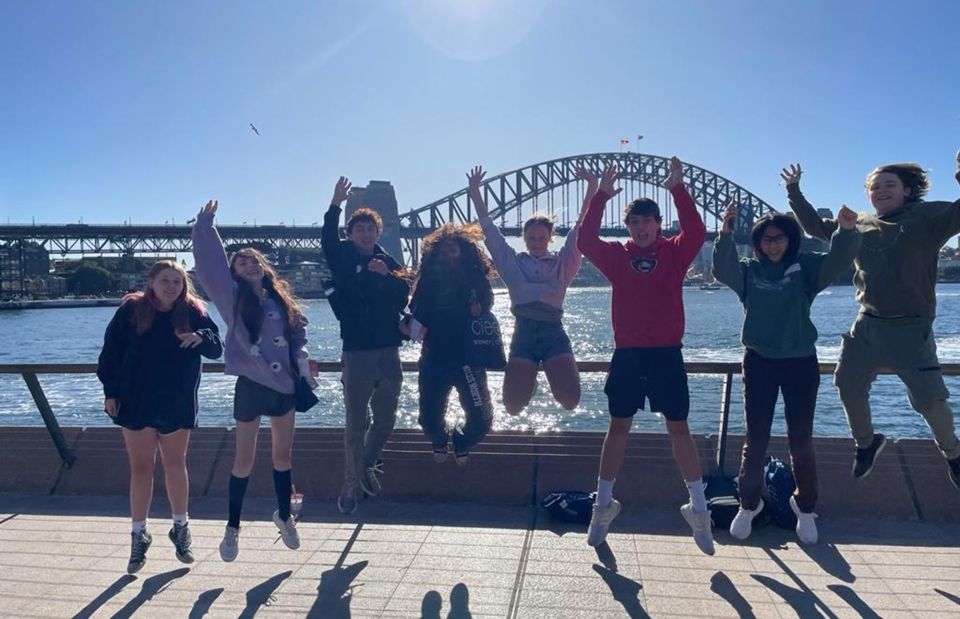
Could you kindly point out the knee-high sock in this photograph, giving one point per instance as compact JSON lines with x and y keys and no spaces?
{"x":238,"y":488}
{"x":283,"y":484}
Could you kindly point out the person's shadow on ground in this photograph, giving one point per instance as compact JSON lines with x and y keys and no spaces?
{"x":624,"y":590}
{"x":151,"y":587}
{"x":432,"y":604}
{"x":721,"y":584}
{"x":335,"y":592}
{"x":262,"y":594}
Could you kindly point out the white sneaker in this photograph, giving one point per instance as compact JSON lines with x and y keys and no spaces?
{"x":742,"y":523}
{"x":700,"y":523}
{"x":806,"y":524}
{"x":288,"y":530}
{"x":230,"y":545}
{"x":600,"y":522}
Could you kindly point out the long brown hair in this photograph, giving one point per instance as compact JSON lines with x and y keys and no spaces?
{"x":248,"y":304}
{"x":146,"y":303}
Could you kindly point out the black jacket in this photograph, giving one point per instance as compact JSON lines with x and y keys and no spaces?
{"x":149,"y":373}
{"x":368,"y":305}
{"x":442,"y":305}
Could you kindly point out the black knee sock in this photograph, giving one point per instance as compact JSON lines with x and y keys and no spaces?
{"x":238,"y":488}
{"x":282,"y":483}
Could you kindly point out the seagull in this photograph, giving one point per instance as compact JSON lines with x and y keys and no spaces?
{"x":255,"y":130}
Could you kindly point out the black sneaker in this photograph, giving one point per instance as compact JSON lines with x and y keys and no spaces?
{"x":180,"y":536}
{"x":139,"y":544}
{"x":954,"y":467}
{"x":864,"y":459}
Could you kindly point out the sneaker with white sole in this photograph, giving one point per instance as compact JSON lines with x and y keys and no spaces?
{"x":742,"y":523}
{"x":600,"y":522}
{"x":180,"y":536}
{"x":806,"y":524}
{"x":348,"y":500}
{"x":288,"y":530}
{"x":369,"y":480}
{"x":139,"y":545}
{"x":230,"y":544}
{"x":700,"y":523}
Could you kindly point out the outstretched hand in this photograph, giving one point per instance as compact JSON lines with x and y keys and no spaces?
{"x":209,"y":209}
{"x":607,"y":180}
{"x":586,"y":175}
{"x":474,"y":180}
{"x":341,"y":191}
{"x":730,"y":217}
{"x":791,"y":176}
{"x":847,"y":218}
{"x":675,"y":174}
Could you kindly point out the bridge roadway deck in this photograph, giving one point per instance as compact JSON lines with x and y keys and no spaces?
{"x":449,"y":542}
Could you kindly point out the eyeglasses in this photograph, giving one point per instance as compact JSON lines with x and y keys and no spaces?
{"x":774,"y":240}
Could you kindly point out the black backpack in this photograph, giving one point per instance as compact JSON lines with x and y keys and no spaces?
{"x":570,"y":506}
{"x":778,"y":487}
{"x":723,"y":500}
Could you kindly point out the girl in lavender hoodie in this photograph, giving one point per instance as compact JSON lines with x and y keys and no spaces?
{"x":265,"y":332}
{"x":537,"y":280}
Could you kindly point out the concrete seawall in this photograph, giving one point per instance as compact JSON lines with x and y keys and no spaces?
{"x":909,"y":481}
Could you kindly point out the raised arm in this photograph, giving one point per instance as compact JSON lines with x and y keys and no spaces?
{"x":946,"y":217}
{"x":569,"y":254}
{"x":502,"y":254}
{"x":727,"y":268}
{"x":844,"y":245}
{"x":811,"y":223}
{"x":210,"y":261}
{"x":330,"y":232}
{"x":599,"y":252}
{"x":692,"y":231}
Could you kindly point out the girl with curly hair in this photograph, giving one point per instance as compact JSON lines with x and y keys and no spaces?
{"x":452,"y":285}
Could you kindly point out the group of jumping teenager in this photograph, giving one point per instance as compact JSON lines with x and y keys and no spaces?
{"x":150,"y":364}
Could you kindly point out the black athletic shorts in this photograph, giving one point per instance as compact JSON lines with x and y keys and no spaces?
{"x":251,"y":400}
{"x":640,"y":374}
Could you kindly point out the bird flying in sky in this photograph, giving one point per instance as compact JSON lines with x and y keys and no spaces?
{"x":255,"y":130}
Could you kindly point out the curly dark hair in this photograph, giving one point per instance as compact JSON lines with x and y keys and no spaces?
{"x":473,"y":260}
{"x":911,"y":175}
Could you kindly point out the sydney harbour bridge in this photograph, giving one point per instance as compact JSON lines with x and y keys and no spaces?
{"x":549,"y":187}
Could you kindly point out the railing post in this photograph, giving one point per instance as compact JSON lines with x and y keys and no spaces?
{"x":724,"y":420}
{"x":53,"y":426}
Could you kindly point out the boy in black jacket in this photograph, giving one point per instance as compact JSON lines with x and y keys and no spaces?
{"x":368,"y":296}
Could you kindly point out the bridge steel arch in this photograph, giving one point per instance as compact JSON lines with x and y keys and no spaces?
{"x":507,"y":192}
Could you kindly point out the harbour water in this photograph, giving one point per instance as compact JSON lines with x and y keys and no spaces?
{"x":713,"y":320}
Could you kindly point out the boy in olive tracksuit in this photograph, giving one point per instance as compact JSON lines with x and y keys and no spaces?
{"x":369,"y":295}
{"x":895,"y":278}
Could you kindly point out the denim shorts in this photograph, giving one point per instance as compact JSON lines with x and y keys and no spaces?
{"x":538,"y":340}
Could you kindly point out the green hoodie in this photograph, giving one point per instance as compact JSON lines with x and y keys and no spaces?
{"x":777,"y":296}
{"x":896,"y":266}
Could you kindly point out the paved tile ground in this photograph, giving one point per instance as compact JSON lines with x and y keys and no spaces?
{"x":65,"y":557}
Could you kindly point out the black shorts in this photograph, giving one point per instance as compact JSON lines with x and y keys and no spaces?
{"x":640,"y":374}
{"x":251,"y":400}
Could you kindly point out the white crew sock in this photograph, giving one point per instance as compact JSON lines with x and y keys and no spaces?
{"x":604,"y":492}
{"x":698,"y":500}
{"x":138,"y":526}
{"x":180,"y":519}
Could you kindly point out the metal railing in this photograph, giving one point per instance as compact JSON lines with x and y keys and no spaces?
{"x":29,"y":372}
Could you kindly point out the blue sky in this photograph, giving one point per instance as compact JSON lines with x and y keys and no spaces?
{"x":114,"y":109}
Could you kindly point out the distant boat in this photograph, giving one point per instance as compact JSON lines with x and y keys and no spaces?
{"x":710,"y":286}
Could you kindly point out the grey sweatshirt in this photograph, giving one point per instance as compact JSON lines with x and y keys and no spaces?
{"x":537,"y":286}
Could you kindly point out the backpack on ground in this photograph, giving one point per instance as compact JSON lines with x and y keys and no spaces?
{"x":570,"y":505}
{"x":778,"y":486}
{"x":723,"y":499}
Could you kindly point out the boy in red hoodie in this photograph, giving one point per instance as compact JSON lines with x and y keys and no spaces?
{"x":647,"y":276}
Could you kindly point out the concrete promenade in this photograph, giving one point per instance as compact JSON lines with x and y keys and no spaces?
{"x":65,"y":557}
{"x":453,"y":542}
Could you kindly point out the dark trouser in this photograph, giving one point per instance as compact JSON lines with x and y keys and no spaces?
{"x":798,"y":379}
{"x":435,"y":383}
